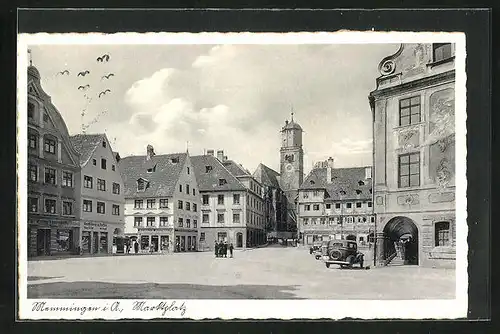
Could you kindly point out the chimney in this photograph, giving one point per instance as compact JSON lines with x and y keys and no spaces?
{"x":329,"y":168}
{"x":368,"y":172}
{"x":220,"y":155}
{"x":330,"y":162}
{"x":149,"y":152}
{"x":225,"y":157}
{"x":210,"y":152}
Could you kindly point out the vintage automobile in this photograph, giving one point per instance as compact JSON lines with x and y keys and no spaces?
{"x":321,"y":250}
{"x":342,"y":252}
{"x":316,"y":246}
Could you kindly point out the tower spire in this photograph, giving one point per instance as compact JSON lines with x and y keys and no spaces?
{"x":30,"y":57}
{"x":291,"y":113}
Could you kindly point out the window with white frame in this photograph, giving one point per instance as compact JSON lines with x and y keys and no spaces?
{"x":50,"y":175}
{"x":137,"y":221}
{"x":50,"y":206}
{"x":163,"y":203}
{"x":180,"y":222}
{"x":88,"y":181}
{"x":205,"y":218}
{"x":101,"y":207}
{"x":151,"y":203}
{"x":442,"y":234}
{"x":188,"y":206}
{"x":49,"y":145}
{"x":150,"y":221}
{"x":138,"y":204}
{"x":32,"y":204}
{"x":67,"y":208}
{"x":32,"y":141}
{"x":67,"y":179}
{"x":163,"y":221}
{"x":32,"y":172}
{"x":116,"y":210}
{"x":116,"y":188}
{"x":101,"y":184}
{"x":87,"y":205}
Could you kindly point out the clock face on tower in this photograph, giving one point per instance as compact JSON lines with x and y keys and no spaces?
{"x":289,"y":167}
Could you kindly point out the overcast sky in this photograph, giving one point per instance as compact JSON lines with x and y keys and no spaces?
{"x":230,"y":97}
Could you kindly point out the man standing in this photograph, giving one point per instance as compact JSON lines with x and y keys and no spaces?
{"x":224,"y":249}
{"x":231,"y":248}
{"x":216,"y":248}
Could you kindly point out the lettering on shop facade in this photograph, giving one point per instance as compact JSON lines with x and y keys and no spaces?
{"x":95,"y":226}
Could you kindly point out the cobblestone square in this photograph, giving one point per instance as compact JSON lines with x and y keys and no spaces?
{"x":263,"y":273}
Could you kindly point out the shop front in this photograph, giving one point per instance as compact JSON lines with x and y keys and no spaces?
{"x":52,"y":237}
{"x":186,"y":241}
{"x":152,"y":240}
{"x":98,"y":237}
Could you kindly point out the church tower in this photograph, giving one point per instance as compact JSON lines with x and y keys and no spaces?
{"x":291,"y":159}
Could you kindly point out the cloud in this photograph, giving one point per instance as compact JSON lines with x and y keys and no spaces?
{"x":231,"y":97}
{"x":347,"y":146}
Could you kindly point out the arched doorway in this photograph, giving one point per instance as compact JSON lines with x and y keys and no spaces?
{"x":239,"y":240}
{"x":402,"y":238}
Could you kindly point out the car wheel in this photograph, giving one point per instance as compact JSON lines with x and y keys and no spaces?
{"x":310,"y":251}
{"x":327,"y":265}
{"x":335,"y":255}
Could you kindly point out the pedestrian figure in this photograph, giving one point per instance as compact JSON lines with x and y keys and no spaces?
{"x":216,"y":248}
{"x":136,"y":247}
{"x":224,"y":249}
{"x":231,"y":248}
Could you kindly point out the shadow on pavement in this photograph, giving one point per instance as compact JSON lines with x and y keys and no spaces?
{"x":39,"y":278}
{"x":102,"y":290}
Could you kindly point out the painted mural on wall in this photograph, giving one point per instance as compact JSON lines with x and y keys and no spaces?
{"x":441,"y":139}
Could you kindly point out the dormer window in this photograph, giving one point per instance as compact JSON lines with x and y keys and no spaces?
{"x":222,"y":182}
{"x":175,"y":160}
{"x":103,"y":143}
{"x":358,"y":192}
{"x":342,"y":192}
{"x":361,"y":183}
{"x":142,"y":184}
{"x":152,"y":169}
{"x":312,"y":182}
{"x":208,"y":169}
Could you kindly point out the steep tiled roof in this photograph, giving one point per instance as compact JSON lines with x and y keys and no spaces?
{"x":292,"y":125}
{"x":161,"y":182}
{"x":350,"y":180}
{"x":267,"y":176}
{"x":210,"y":181}
{"x":234,"y":168}
{"x":86,"y":145}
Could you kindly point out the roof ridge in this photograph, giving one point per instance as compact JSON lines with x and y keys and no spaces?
{"x":94,"y":146}
{"x":234,"y":176}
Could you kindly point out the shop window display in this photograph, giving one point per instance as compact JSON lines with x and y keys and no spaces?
{"x":103,"y":243}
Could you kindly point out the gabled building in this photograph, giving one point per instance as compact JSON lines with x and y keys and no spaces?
{"x":336,"y":203}
{"x":101,"y":217}
{"x":275,"y":204}
{"x":53,"y":177}
{"x":162,"y":201}
{"x":232,"y":207}
{"x":414,"y":155}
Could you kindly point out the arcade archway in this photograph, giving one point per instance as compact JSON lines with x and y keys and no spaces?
{"x":402,"y":238}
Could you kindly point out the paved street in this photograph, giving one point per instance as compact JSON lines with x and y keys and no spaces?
{"x":253,"y":274}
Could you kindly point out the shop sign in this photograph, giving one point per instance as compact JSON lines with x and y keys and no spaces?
{"x":95,"y":226}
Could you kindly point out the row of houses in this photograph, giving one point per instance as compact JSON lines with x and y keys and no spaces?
{"x":83,"y":198}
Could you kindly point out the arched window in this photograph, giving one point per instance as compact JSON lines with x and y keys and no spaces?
{"x":442,"y":234}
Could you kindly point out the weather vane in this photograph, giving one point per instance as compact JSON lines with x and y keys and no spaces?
{"x":292,"y":112}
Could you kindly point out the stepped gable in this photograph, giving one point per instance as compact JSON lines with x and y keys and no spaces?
{"x":351,"y":180}
{"x":86,"y":144}
{"x":160,"y":182}
{"x":208,"y":180}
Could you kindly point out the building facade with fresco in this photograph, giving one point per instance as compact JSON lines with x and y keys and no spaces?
{"x":336,"y":203}
{"x":53,"y":177}
{"x":162,"y":202}
{"x":414,"y":156}
{"x":101,"y":219}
